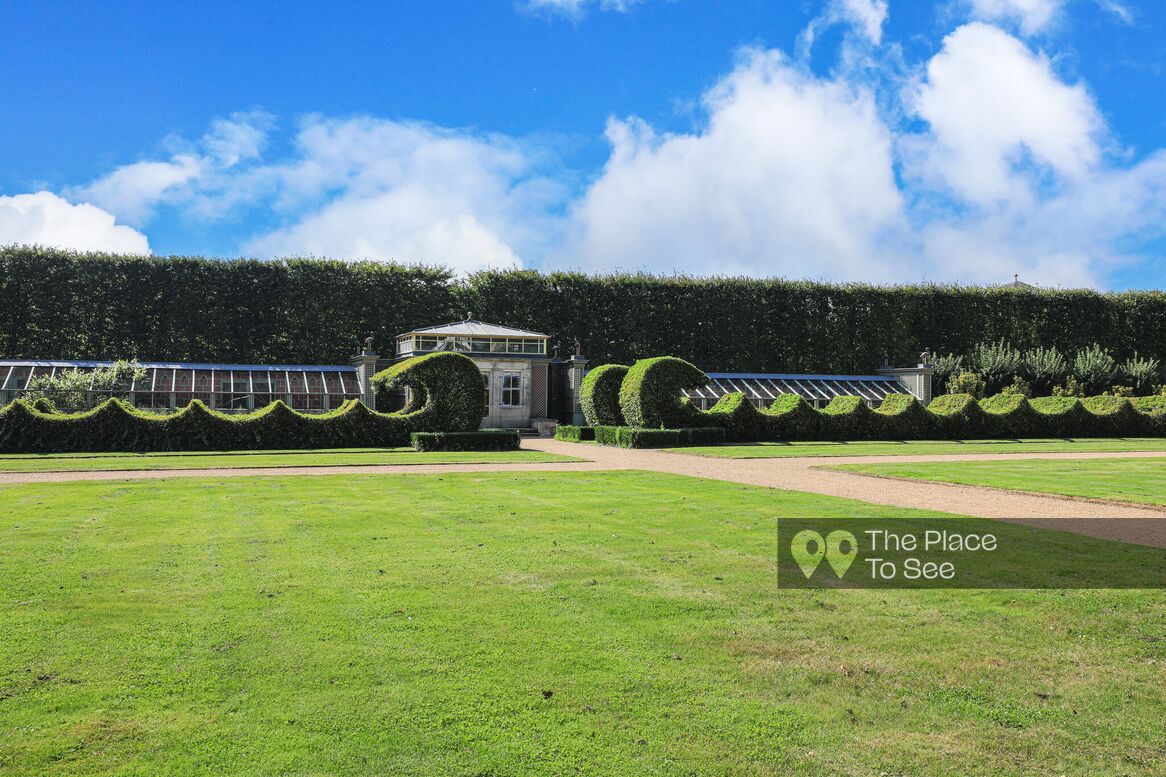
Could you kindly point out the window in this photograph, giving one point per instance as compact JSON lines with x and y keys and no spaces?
{"x":511,"y":390}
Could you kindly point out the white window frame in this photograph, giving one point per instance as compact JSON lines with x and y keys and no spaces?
{"x":517,"y":376}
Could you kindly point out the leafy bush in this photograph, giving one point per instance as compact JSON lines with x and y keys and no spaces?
{"x":1060,"y":416}
{"x":1119,"y":391}
{"x":569,"y":433}
{"x":995,"y":363}
{"x":481,"y":440}
{"x":599,"y":395}
{"x":790,"y":417}
{"x":74,"y":389}
{"x":43,"y":405}
{"x":1019,"y":386}
{"x":1111,"y":416}
{"x":650,"y":395}
{"x":943,"y":368}
{"x":966,"y":383}
{"x":1094,"y":368}
{"x":1044,"y":368}
{"x":1142,"y":373}
{"x":1072,"y":388}
{"x":629,"y":437}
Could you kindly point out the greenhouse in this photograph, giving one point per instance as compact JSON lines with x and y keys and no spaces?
{"x":171,"y":385}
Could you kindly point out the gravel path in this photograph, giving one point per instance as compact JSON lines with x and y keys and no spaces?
{"x":797,"y":474}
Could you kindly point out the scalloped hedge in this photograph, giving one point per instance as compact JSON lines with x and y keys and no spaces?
{"x":599,"y":395}
{"x":446,"y":398}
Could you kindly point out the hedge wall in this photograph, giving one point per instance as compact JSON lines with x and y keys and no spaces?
{"x":55,"y":304}
{"x":599,"y":395}
{"x":443,"y":397}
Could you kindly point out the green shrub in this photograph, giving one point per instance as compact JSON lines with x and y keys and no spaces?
{"x":848,"y":418}
{"x":1060,"y":416}
{"x":996,"y":363}
{"x":1019,"y":386}
{"x":1071,"y":388}
{"x":958,"y":416}
{"x":790,"y":417}
{"x":901,"y":417}
{"x":599,"y":395}
{"x":44,"y":405}
{"x":944,"y":368}
{"x":741,"y":421}
{"x":1009,"y":416}
{"x":481,"y":440}
{"x":1119,"y":391}
{"x":1112,"y":416}
{"x":1142,"y":373}
{"x":1094,"y":368}
{"x":650,"y":395}
{"x":447,"y":392}
{"x":967,"y":383}
{"x":629,"y":437}
{"x":569,"y":433}
{"x":1044,"y":368}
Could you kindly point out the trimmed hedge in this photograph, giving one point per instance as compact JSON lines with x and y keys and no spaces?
{"x":631,"y":437}
{"x":599,"y":395}
{"x":115,"y":425}
{"x":482,"y":440}
{"x":569,"y":433}
{"x":650,"y":397}
{"x":59,"y":304}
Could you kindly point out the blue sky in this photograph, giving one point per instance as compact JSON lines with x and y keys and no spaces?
{"x":877,"y":140}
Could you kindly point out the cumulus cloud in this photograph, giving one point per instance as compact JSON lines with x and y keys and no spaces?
{"x":411,"y":192}
{"x":989,"y":102}
{"x":134,"y":191}
{"x":1031,"y":16}
{"x":46,"y":219}
{"x":793,"y":175}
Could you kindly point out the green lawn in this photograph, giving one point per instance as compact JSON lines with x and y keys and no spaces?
{"x":766,"y":450}
{"x":1126,"y":480}
{"x":550,"y":623}
{"x":72,"y":462}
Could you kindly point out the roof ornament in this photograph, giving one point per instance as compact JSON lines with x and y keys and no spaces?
{"x":368,"y":344}
{"x":578,"y":348}
{"x":557,"y":347}
{"x":470,"y":316}
{"x":925,"y":357}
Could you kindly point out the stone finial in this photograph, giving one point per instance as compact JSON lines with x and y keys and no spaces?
{"x":557,"y":347}
{"x":925,"y":357}
{"x":368,"y":344}
{"x":578,"y":348}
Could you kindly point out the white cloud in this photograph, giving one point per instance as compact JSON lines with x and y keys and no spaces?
{"x":409,"y":192}
{"x":990,"y":102}
{"x":576,"y":8}
{"x":866,"y":17}
{"x":133,"y":191}
{"x":793,"y":175}
{"x":45,"y":219}
{"x":1120,"y":11}
{"x":1031,"y":16}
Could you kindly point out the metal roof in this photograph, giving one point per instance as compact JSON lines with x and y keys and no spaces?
{"x":768,"y":387}
{"x":183,"y":366}
{"x":472,"y":327}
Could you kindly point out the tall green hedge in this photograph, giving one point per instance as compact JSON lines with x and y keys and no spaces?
{"x":445,"y":400}
{"x":55,"y":304}
{"x":649,"y":396}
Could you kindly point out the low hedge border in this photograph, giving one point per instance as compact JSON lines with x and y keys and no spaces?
{"x":569,"y":433}
{"x":632,"y":437}
{"x":482,"y":440}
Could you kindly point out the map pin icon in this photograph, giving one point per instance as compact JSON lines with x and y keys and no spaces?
{"x":799,"y":548}
{"x":840,"y":558}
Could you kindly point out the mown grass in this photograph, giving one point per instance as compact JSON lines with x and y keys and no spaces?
{"x":766,"y":450}
{"x":601,"y":623}
{"x":77,"y":462}
{"x":1125,"y":480}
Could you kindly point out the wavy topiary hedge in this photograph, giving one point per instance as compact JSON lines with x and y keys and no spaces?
{"x":599,"y":395}
{"x":650,"y":395}
{"x":446,"y":398}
